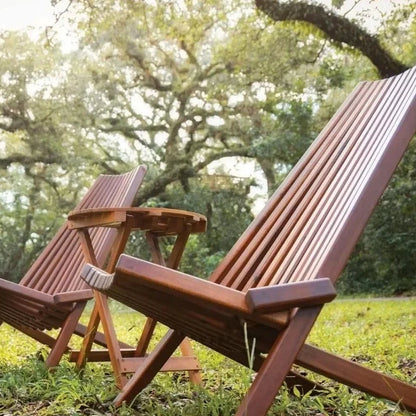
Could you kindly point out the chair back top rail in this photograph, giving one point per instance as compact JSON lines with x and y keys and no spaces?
{"x":312,"y":222}
{"x":58,"y":268}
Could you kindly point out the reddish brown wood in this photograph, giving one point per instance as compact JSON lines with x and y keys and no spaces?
{"x":305,"y":233}
{"x":51,"y":295}
{"x":275,"y":369}
{"x":358,"y":376}
{"x":90,"y":335}
{"x":275,"y":298}
{"x":145,"y":337}
{"x":111,"y":338}
{"x":189,"y":363}
{"x":156,"y":222}
{"x":184,"y":363}
{"x":151,"y":366}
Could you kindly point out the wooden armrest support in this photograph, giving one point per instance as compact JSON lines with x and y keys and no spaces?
{"x":170,"y":281}
{"x":165,"y":221}
{"x":76,"y":296}
{"x":94,"y":217}
{"x":290,"y":295}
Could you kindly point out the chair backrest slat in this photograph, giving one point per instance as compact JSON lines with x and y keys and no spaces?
{"x":298,"y":234}
{"x":58,"y":268}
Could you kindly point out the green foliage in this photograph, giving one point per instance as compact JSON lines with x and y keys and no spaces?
{"x":375,"y":333}
{"x":399,"y":32}
{"x":384,"y":261}
{"x":179,"y":86}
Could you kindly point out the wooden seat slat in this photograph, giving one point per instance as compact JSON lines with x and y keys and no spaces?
{"x":341,"y":217}
{"x":326,"y":198}
{"x":54,"y":274}
{"x":272,"y":211}
{"x":288,"y":208}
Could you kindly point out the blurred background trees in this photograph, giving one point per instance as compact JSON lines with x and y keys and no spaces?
{"x":218,"y":98}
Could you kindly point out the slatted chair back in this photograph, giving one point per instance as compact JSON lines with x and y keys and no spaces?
{"x":311,"y":224}
{"x":58,"y":268}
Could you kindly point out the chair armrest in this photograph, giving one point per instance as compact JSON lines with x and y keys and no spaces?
{"x":290,"y":295}
{"x":76,"y":296}
{"x":167,"y":280}
{"x":14,"y":290}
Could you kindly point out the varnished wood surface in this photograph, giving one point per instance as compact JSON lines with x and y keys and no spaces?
{"x":160,"y":221}
{"x":51,"y":294}
{"x":305,"y":233}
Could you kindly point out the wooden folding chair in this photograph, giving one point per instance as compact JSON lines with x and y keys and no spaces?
{"x":51,"y":295}
{"x":271,"y":286}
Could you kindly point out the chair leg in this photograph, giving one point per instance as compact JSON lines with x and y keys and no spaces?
{"x":88,"y":338}
{"x":64,"y":336}
{"x":278,"y":363}
{"x":151,"y":366}
{"x":36,"y":334}
{"x":99,"y":339}
{"x":111,"y":337}
{"x":358,"y":376}
{"x":146,"y":336}
{"x":187,"y":351}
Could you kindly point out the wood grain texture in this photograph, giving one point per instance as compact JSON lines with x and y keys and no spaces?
{"x":303,"y":236}
{"x":52,"y":295}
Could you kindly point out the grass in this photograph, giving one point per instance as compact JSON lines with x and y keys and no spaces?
{"x":377,"y":333}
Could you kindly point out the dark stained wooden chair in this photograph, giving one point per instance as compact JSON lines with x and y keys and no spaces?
{"x":52,"y":295}
{"x":271,"y":286}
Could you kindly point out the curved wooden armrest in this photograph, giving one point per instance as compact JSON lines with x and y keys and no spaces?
{"x":290,"y":295}
{"x":162,"y":221}
{"x":167,"y":280}
{"x":181,"y":286}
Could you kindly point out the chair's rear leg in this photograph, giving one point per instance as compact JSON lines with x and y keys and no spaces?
{"x":151,"y":366}
{"x":278,"y":363}
{"x":36,"y":334}
{"x":99,"y":339}
{"x":64,"y":336}
{"x":145,"y":338}
{"x":187,"y":351}
{"x":358,"y":376}
{"x":88,"y":340}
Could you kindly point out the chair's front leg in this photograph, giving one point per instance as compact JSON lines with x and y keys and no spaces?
{"x":62,"y":340}
{"x":278,"y":363}
{"x":88,"y":339}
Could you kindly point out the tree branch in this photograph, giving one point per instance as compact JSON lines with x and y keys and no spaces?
{"x":337,"y":28}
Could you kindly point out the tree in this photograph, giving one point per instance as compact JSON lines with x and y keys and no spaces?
{"x":169,"y":84}
{"x":337,"y":29}
{"x":46,"y":159}
{"x":179,"y":86}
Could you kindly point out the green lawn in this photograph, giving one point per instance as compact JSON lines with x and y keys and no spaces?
{"x":377,"y":333}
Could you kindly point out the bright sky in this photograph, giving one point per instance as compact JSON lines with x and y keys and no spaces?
{"x":19,"y":14}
